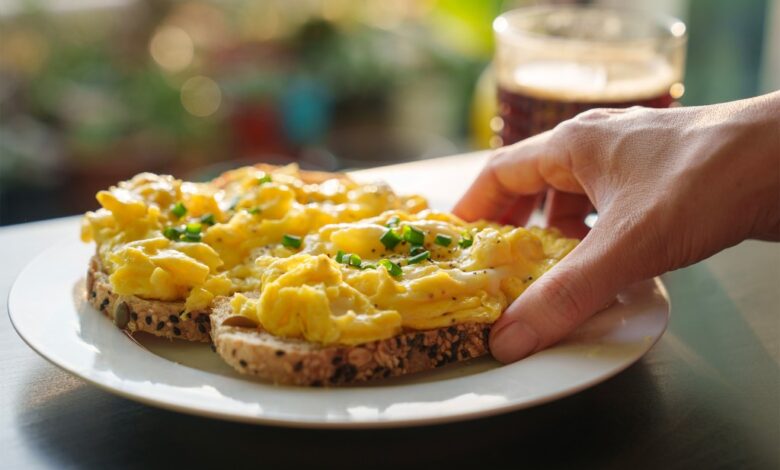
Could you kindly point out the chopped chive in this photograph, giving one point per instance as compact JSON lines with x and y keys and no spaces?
{"x":367,"y":266}
{"x":340,"y":256}
{"x":254,"y":210}
{"x":291,"y":241}
{"x":414,"y":235}
{"x":208,"y":219}
{"x":466,"y":242}
{"x":265,"y":179}
{"x":390,"y":239}
{"x":190,"y":237}
{"x":172,"y":233}
{"x":193,"y":228}
{"x":354,"y":260}
{"x":179,"y":210}
{"x":391,"y":267}
{"x":416,"y":250}
{"x":234,"y":204}
{"x":443,"y":240}
{"x":393,"y":221}
{"x":419,"y":258}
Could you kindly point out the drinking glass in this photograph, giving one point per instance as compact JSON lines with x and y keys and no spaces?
{"x":553,"y":62}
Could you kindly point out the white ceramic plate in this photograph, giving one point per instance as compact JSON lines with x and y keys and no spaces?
{"x":48,"y":308}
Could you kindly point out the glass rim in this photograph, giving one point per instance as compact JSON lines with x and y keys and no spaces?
{"x":674,"y":29}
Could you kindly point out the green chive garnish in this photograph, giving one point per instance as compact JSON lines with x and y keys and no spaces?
{"x":254,"y":210}
{"x":368,"y":266}
{"x":354,"y":260}
{"x":190,"y":237}
{"x":443,"y":240}
{"x":416,"y":250}
{"x":390,"y":239}
{"x":264,"y":179}
{"x":393,"y":221}
{"x":179,"y":210}
{"x":193,"y":228}
{"x":291,"y":241}
{"x":414,"y":235}
{"x":466,"y":242}
{"x":172,"y":233}
{"x":391,"y":267}
{"x":208,"y":219}
{"x":419,"y":258}
{"x":340,"y":256}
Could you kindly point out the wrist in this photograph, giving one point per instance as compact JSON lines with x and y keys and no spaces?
{"x":766,"y":112}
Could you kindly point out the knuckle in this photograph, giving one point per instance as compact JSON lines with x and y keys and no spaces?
{"x":581,"y":129}
{"x":566,"y":130}
{"x":499,"y":157}
{"x":565,"y":134}
{"x":637,"y":109}
{"x":495,"y":156}
{"x":596,"y":114}
{"x":575,"y":140}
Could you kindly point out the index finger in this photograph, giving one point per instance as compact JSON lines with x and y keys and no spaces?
{"x":511,"y":172}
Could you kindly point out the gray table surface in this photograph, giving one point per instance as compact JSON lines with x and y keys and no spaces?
{"x":706,"y":396}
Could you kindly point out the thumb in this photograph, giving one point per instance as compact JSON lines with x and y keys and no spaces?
{"x":585,"y":281}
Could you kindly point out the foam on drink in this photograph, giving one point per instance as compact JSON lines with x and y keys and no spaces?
{"x":534,"y":96}
{"x":597,"y":82}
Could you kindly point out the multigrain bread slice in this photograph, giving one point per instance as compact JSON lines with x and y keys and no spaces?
{"x":133,"y":313}
{"x":252,"y":351}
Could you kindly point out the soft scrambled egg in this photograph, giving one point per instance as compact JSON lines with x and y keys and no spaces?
{"x":332,"y":261}
{"x":351,"y":282}
{"x":161,"y":238}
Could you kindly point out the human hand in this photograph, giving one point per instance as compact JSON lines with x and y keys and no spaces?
{"x":671,"y":186}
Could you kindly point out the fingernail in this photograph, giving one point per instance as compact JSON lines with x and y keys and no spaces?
{"x":513,"y":342}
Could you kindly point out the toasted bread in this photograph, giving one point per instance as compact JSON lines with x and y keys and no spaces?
{"x":133,"y":313}
{"x":253,"y":351}
{"x":164,"y":318}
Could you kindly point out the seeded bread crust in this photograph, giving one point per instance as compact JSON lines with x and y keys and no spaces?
{"x":132,"y":313}
{"x":286,"y":361}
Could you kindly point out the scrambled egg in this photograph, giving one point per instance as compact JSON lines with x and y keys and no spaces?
{"x":333,"y":261}
{"x":351,"y":282}
{"x":165,"y":239}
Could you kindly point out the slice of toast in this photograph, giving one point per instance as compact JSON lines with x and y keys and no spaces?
{"x":163,"y":318}
{"x":133,"y":313}
{"x":250,"y":350}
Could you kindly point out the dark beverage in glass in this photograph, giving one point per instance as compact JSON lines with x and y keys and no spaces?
{"x":552,"y":63}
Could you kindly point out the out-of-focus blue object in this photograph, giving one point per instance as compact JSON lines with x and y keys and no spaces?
{"x":305,"y":108}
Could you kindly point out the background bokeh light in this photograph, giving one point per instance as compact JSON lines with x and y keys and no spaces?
{"x":94,"y":91}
